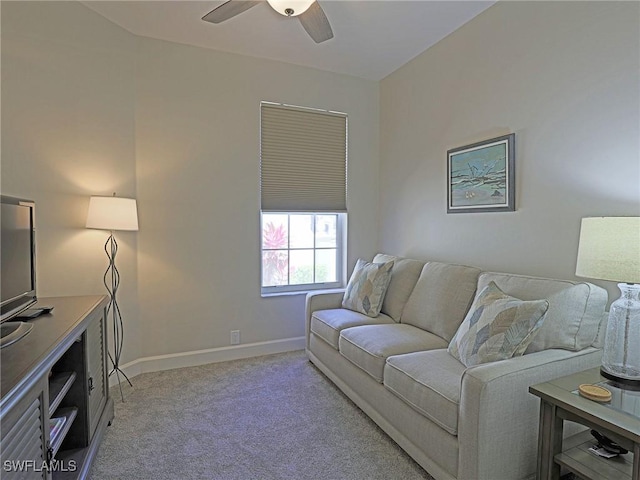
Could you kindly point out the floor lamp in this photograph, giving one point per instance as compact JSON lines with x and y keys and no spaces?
{"x":113,"y":213}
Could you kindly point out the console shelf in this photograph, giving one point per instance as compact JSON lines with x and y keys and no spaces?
{"x":59,"y":385}
{"x":58,"y":370}
{"x":69,"y":414}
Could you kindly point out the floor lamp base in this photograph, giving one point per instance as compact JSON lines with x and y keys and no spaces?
{"x":118,"y":371}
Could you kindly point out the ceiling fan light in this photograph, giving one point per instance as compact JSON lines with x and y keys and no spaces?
{"x":290,"y":8}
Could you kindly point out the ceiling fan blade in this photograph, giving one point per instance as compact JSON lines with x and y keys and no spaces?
{"x":316,"y":24}
{"x":229,"y":9}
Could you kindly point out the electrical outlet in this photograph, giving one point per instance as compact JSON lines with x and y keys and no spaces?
{"x":235,"y":337}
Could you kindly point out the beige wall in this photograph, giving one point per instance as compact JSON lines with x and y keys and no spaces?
{"x":564,"y":77}
{"x":197,"y":133}
{"x":68,"y":102}
{"x":88,"y":108}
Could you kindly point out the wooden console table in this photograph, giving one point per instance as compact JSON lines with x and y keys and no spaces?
{"x":618,"y":419}
{"x":56,"y":375}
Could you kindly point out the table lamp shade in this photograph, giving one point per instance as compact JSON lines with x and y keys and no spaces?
{"x":112,"y":213}
{"x":609,"y":249}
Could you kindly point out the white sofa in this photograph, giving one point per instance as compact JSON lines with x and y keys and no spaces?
{"x":456,"y":422}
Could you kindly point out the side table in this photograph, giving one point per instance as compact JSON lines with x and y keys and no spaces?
{"x":618,"y":419}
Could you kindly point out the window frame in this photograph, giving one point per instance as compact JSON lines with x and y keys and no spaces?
{"x":341,"y":241}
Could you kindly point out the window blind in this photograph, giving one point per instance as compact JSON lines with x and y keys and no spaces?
{"x":303,"y":160}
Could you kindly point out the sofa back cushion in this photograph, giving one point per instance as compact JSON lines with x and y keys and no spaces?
{"x":441,"y":298}
{"x":404,"y":276}
{"x":575,"y":308}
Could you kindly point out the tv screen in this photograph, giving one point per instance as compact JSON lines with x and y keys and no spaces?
{"x":17,"y":257}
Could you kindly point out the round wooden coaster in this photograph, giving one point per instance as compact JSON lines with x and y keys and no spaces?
{"x":594,"y":392}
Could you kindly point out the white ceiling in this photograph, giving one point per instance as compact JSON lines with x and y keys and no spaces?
{"x":371,"y":38}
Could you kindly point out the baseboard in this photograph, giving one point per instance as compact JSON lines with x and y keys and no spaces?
{"x":212,"y":355}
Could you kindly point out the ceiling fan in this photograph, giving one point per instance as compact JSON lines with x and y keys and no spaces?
{"x":309,"y":12}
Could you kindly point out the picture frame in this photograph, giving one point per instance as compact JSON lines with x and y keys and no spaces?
{"x":481,"y":177}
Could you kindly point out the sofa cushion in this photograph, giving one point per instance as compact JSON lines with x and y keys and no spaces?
{"x":367,"y":286}
{"x":430,"y":382}
{"x":327,"y":324}
{"x":369,"y":346}
{"x":575,"y":308}
{"x":497,"y":327}
{"x":404,"y":276}
{"x":441,"y":298}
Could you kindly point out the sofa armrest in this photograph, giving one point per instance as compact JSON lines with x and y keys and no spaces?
{"x":498,"y":424}
{"x":320,"y":300}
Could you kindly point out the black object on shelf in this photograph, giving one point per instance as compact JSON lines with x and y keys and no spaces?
{"x":608,"y":444}
{"x":34,"y":312}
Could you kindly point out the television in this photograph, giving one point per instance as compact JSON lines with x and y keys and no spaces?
{"x":17,"y":262}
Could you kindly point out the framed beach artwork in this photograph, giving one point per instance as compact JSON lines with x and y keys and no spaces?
{"x":481,"y":177}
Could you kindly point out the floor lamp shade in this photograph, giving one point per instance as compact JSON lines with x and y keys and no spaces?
{"x":609,"y":249}
{"x":112,"y":213}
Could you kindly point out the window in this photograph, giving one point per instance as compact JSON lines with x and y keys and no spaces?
{"x":303,"y":155}
{"x":301,"y":251}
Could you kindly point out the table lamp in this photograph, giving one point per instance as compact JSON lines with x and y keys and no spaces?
{"x":609,"y":249}
{"x":113,"y":213}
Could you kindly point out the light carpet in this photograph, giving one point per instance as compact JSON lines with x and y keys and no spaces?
{"x":272,"y":417}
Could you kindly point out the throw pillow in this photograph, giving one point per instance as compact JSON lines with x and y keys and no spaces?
{"x":367,"y":286}
{"x":497,"y":327}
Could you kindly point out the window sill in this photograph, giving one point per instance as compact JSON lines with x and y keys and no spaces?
{"x":285,"y":294}
{"x":302,"y":292}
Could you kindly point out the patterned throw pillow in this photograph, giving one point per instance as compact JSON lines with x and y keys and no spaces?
{"x":367,"y":286}
{"x":497,"y":327}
